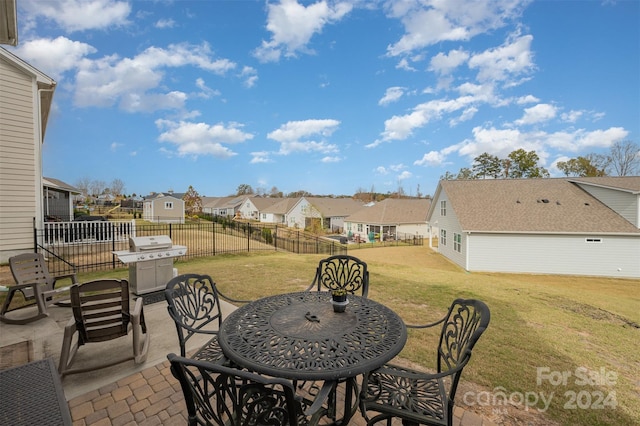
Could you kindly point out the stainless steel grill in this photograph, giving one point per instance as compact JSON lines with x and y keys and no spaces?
{"x":150,"y":261}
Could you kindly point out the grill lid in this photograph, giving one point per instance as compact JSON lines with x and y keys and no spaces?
{"x":157,"y":242}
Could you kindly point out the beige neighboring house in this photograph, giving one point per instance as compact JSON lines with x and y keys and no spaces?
{"x":163,"y":208}
{"x":223,"y":206}
{"x":26,"y":95}
{"x":572,"y":226}
{"x":329,"y":211}
{"x":389,"y":219}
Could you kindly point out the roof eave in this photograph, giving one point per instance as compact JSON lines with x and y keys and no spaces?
{"x":8,"y":22}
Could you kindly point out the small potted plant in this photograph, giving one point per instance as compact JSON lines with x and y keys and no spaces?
{"x":339,"y":300}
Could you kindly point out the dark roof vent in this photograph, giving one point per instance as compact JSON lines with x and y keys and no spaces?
{"x":558,"y":203}
{"x":586,"y":204}
{"x":517,"y":201}
{"x":544,"y":200}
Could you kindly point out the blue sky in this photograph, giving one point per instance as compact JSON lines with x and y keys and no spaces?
{"x":327,"y":96}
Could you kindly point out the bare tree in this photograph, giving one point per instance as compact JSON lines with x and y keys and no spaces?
{"x":83,"y":184}
{"x":96,"y":187}
{"x":625,"y":158}
{"x":117,"y":187}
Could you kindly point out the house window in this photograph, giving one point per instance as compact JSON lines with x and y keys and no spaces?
{"x":443,"y":237}
{"x":457,"y":242}
{"x":443,"y":208}
{"x":223,"y":212}
{"x":593,"y":240}
{"x":168,"y":205}
{"x":264,"y":216}
{"x":359,"y":227}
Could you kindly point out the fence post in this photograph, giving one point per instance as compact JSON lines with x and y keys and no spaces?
{"x":248,"y":236}
{"x":113,"y":245}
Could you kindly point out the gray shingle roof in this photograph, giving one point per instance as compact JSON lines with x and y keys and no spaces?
{"x":626,"y":183}
{"x":393,"y":211}
{"x":334,"y":207}
{"x":530,"y":205}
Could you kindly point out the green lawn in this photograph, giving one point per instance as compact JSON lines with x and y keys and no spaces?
{"x":583,"y":329}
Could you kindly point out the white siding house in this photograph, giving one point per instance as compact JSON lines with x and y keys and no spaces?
{"x":277,"y":213}
{"x":252,"y":207}
{"x":26,"y":95}
{"x":547,"y":226}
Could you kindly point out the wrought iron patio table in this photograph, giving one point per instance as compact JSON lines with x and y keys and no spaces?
{"x":298,"y":336}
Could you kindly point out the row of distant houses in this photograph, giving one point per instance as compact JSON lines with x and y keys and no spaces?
{"x":352,"y":218}
{"x":578,"y":226}
{"x":581,"y":226}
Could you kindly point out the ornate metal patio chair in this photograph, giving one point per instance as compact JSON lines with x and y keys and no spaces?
{"x":341,"y":272}
{"x":194,"y":305}
{"x":29,"y":268}
{"x":226,"y":396}
{"x":101,"y":313}
{"x":421,"y":398}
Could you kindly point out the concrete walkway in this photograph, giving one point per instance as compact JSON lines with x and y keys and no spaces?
{"x":125,"y":394}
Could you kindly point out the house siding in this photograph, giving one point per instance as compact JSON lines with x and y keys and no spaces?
{"x":20,"y":175}
{"x":614,"y":256}
{"x":448,"y":222}
{"x":623,"y":203}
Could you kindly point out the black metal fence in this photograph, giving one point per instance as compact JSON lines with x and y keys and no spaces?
{"x":89,"y":246}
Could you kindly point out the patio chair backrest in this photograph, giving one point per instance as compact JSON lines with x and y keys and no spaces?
{"x":29,"y":268}
{"x":463,"y":325}
{"x":193,"y":304}
{"x":101,"y":309}
{"x":220,"y":395}
{"x":342,"y":272}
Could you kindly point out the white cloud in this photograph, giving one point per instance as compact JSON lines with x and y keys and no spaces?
{"x":111,"y":79}
{"x":404,"y":175}
{"x":428,"y":23}
{"x":403,"y":64}
{"x":294,"y":136}
{"x":401,"y":127}
{"x":537,"y":114}
{"x":572,"y":116}
{"x":202,"y":138}
{"x":381,"y":170}
{"x":445,"y":63}
{"x":432,"y":158}
{"x":507,"y":61}
{"x":250,"y":76}
{"x":528,"y":99}
{"x":80,"y":15}
{"x":331,"y":159}
{"x":260,"y":157}
{"x":392,"y":94}
{"x":205,"y":91}
{"x":292,"y":25}
{"x":54,"y":56}
{"x":165,"y":23}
